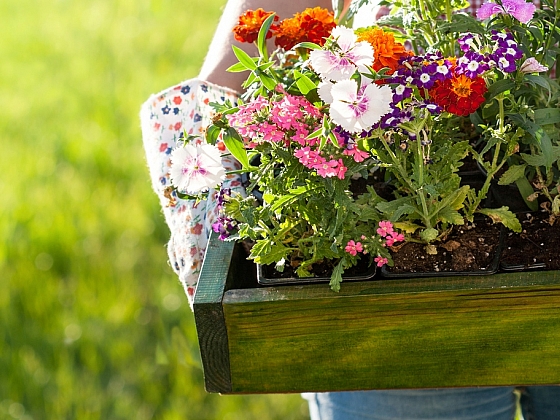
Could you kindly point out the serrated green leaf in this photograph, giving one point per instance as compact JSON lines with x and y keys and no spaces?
{"x":448,"y":215}
{"x":504,"y":216}
{"x":535,"y":159}
{"x":429,"y":234}
{"x":336,"y":277}
{"x":513,"y":173}
{"x":458,"y":199}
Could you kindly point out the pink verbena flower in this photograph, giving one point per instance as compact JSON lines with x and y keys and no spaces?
{"x":354,"y":247}
{"x":381,"y":261}
{"x":393,"y":238}
{"x":519,"y":9}
{"x":357,"y":154}
{"x":385,"y":228}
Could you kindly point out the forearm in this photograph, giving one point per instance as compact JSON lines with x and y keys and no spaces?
{"x":220,"y":55}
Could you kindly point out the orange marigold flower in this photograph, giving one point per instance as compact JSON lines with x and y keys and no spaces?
{"x":386,"y":52}
{"x":249,"y":24}
{"x":459,"y":95}
{"x":311,"y":25}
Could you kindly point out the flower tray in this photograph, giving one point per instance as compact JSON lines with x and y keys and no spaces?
{"x":501,"y":329}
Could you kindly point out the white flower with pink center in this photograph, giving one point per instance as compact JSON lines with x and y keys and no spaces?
{"x":195,"y":169}
{"x":357,"y":110}
{"x":347,"y":56}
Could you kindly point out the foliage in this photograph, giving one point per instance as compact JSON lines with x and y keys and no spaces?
{"x":93,"y":324}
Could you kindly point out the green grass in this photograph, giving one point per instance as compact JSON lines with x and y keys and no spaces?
{"x":93,"y":323}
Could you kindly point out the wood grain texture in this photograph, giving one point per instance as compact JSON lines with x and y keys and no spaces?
{"x":209,"y":316}
{"x":502,"y":329}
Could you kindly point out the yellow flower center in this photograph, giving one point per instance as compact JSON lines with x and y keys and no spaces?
{"x":461,"y":86}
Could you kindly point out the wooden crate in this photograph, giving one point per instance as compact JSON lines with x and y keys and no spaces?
{"x":502,"y":329}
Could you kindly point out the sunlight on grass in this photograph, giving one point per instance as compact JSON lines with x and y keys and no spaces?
{"x":94,"y":325}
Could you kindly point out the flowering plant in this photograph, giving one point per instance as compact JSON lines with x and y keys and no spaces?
{"x":410,"y":97}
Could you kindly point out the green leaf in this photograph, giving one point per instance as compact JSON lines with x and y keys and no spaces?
{"x":237,"y":68}
{"x":304,"y":83}
{"x":261,"y":40}
{"x":538,"y":80}
{"x":212,"y":133}
{"x":267,"y":81}
{"x":537,"y":159}
{"x":429,"y":234}
{"x":234,"y":144}
{"x":244,"y":58}
{"x":513,"y":173}
{"x":501,"y":86}
{"x":504,"y":216}
{"x":458,"y":200}
{"x":526,"y":189}
{"x":309,"y":45}
{"x":546,"y":116}
{"x":336,"y":277}
{"x":448,"y":215}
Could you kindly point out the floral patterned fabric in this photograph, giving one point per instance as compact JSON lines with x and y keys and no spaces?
{"x":165,"y":119}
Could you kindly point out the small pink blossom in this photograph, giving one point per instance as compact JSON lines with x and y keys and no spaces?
{"x":381,"y":261}
{"x":356,"y":153}
{"x":519,"y":9}
{"x":385,"y":228}
{"x":393,"y":238}
{"x":354,"y":247}
{"x":327,"y":169}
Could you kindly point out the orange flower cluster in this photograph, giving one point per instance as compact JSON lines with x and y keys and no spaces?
{"x":386,"y":52}
{"x":311,"y":25}
{"x":459,"y":95}
{"x":249,"y":24}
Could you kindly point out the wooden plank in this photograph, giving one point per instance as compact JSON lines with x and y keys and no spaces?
{"x":501,"y":329}
{"x":497,"y":330}
{"x":209,"y":316}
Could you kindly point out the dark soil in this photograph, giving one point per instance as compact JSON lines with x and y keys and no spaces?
{"x":470,"y":248}
{"x":321,"y":272}
{"x":537,"y":246}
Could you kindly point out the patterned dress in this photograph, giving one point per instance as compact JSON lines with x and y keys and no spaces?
{"x":165,"y":118}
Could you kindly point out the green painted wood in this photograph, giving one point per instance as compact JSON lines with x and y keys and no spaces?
{"x":209,"y":316}
{"x":502,"y":329}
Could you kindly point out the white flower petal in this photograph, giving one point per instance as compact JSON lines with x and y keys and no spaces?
{"x":324,"y":91}
{"x":196,"y":168}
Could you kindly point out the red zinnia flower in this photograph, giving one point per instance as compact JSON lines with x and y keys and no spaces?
{"x":250,"y":22}
{"x":311,"y":25}
{"x":459,"y":95}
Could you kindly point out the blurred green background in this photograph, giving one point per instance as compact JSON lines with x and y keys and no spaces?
{"x":93,"y":323}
